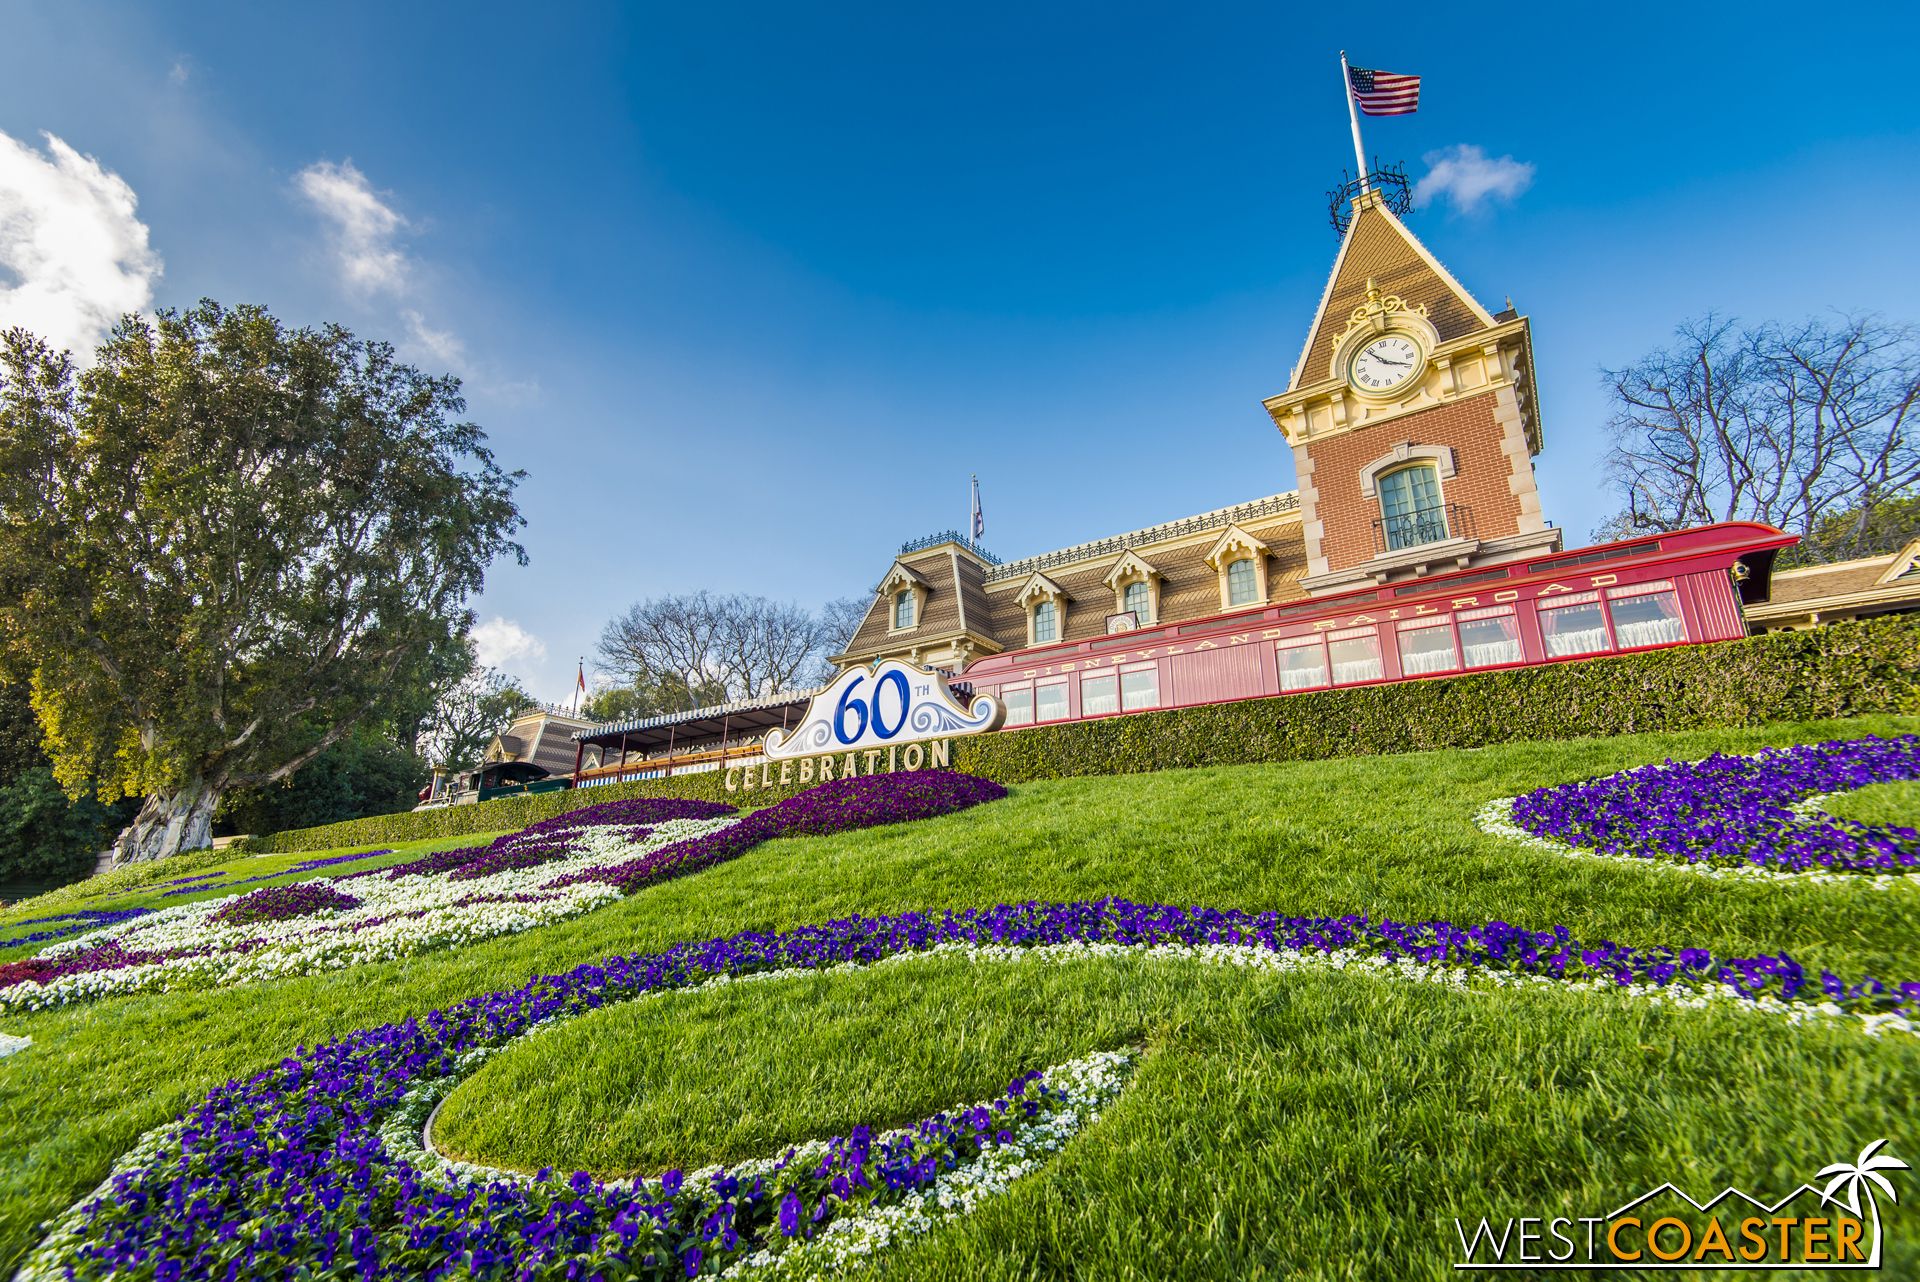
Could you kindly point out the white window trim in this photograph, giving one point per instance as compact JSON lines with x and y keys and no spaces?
{"x":1237,"y":545}
{"x":1040,"y":588}
{"x":1439,"y":456}
{"x":903,"y":576}
{"x":1131,"y":569}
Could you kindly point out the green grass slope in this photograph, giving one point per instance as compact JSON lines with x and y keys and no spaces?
{"x":1308,"y":1125}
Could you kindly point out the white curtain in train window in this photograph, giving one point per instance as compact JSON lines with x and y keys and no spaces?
{"x":1427,"y":647}
{"x":1489,"y":637}
{"x":1019,"y":703}
{"x":1050,"y":701}
{"x":1573,"y":625}
{"x":1356,"y":656}
{"x":1099,"y":693}
{"x":1303,"y":664}
{"x":1139,"y":687}
{"x":1646,"y":614}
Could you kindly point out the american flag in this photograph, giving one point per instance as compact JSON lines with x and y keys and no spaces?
{"x":1383,"y":93}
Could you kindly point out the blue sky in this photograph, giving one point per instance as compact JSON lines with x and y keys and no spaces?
{"x":750,"y":291}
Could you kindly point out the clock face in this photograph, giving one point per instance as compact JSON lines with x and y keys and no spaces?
{"x":1385,"y":363}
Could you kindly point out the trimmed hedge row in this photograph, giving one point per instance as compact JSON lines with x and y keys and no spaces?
{"x":1841,"y":669}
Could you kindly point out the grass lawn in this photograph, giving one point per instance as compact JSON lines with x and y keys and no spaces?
{"x":1305,"y":1125}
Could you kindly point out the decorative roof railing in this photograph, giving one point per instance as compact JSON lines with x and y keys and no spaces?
{"x":1259,"y":508}
{"x":774,"y":700}
{"x":948,"y":536}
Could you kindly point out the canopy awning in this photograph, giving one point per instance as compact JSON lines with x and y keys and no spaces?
{"x":749,"y":717}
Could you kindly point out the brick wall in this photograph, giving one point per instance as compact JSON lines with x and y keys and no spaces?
{"x":1481,"y":481}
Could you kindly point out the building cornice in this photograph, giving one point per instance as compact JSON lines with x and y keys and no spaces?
{"x":1460,"y":370}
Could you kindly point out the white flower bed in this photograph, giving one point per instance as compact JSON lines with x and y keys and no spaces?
{"x":416,"y":913}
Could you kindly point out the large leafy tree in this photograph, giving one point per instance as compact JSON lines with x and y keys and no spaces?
{"x":227,"y":544}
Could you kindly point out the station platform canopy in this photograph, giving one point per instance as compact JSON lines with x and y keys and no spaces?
{"x":746,"y":720}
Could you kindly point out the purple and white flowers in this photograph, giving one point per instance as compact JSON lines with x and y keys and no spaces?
{"x":306,"y":1168}
{"x":560,"y":868}
{"x":1743,"y":814}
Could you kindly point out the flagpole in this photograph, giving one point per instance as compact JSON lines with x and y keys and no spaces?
{"x":1353,"y":117}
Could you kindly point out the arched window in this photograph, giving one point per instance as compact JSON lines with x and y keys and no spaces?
{"x":1045,"y":622}
{"x":1411,"y":512}
{"x":1242,"y":586}
{"x":903,"y":608}
{"x":1139,"y":600}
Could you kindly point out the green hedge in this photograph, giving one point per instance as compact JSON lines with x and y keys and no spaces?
{"x":1843,"y":669}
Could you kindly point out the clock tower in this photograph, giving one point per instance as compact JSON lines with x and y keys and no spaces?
{"x":1413,"y":420}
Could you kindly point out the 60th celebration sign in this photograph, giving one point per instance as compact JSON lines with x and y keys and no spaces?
{"x":880,"y":705}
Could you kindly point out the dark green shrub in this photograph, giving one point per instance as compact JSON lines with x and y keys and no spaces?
{"x":1844,"y":669}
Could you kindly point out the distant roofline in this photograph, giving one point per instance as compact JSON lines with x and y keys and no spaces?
{"x":1256,"y":510}
{"x":701,"y":714}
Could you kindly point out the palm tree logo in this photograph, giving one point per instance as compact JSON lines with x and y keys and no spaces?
{"x":1862,"y":1174}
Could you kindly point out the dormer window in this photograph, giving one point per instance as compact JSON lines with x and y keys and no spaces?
{"x":1411,"y":510}
{"x":1242,"y":583}
{"x":1138,"y":601}
{"x":1045,"y":603}
{"x":1241,"y":562}
{"x":904,"y":591}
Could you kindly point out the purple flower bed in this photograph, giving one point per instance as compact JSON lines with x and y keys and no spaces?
{"x":111,"y":955}
{"x":90,"y":919}
{"x":543,"y":842}
{"x":1735,"y":812}
{"x":840,"y":806}
{"x":283,"y":903}
{"x":204,"y":876}
{"x":284,"y":1173}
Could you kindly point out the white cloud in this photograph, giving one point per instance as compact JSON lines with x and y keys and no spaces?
{"x":499,"y":640}
{"x":443,"y":344}
{"x":1465,"y":175}
{"x":364,"y":226}
{"x":73,"y":258}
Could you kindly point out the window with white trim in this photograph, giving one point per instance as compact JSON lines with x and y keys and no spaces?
{"x":1243,"y":585}
{"x":1646,"y":614}
{"x":1139,"y":599}
{"x":1099,"y":693}
{"x":903,"y":609}
{"x":1046,"y":622}
{"x":1139,"y":687}
{"x":1489,"y":637}
{"x":1303,"y":663}
{"x":1019,"y":701}
{"x":1426,"y":646}
{"x":1573,"y":624}
{"x":1356,"y":655}
{"x":1411,"y":510}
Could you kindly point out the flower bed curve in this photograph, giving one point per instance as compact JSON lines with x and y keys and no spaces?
{"x":294,"y":1172}
{"x":1737,"y":812}
{"x":568,"y":865}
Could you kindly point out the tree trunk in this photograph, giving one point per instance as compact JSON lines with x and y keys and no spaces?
{"x":169,"y":823}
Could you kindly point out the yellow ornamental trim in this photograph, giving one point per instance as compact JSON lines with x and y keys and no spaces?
{"x":1375,"y":312}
